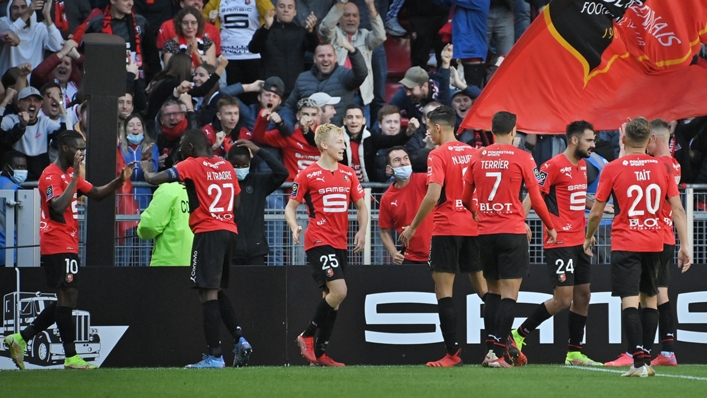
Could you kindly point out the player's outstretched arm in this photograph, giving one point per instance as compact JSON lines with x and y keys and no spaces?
{"x":102,"y":192}
{"x":362,"y":215}
{"x":592,"y":224}
{"x":680,"y":220}
{"x":389,"y":244}
{"x":434,"y":190}
{"x":291,"y":218}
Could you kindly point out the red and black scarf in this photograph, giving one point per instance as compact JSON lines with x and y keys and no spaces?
{"x":60,"y":20}
{"x":183,"y":46}
{"x":133,"y":33}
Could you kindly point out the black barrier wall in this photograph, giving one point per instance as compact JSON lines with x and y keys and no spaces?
{"x":150,"y":317}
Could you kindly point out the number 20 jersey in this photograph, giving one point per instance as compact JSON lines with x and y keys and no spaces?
{"x":564,"y":186}
{"x":327,"y":194}
{"x":212,"y":186}
{"x":640,"y":184}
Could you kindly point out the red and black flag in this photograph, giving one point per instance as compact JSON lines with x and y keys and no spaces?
{"x":601,"y":61}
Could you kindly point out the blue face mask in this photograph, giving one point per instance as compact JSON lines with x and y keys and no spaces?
{"x":402,"y":172}
{"x":241,"y":174}
{"x":135,"y":139}
{"x":18,"y":176}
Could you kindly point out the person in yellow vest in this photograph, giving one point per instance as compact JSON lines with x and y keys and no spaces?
{"x":166,"y":220}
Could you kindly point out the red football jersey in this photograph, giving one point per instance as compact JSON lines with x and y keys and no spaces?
{"x":498,"y":173}
{"x":640,"y":184}
{"x":167,"y":32}
{"x":446,"y":166}
{"x":667,"y":214}
{"x":328,"y":194}
{"x":398,"y":207}
{"x":59,"y":233}
{"x":565,"y":189}
{"x":297,"y":153}
{"x":212,"y":185}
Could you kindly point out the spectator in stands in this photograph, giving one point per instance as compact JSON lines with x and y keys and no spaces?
{"x":30,"y":133}
{"x":389,"y":123}
{"x":326,"y":103}
{"x":329,"y":77}
{"x":252,"y":247}
{"x":346,"y":14}
{"x":238,"y":24}
{"x":120,"y":19}
{"x":133,"y":143}
{"x":361,"y":145}
{"x":282,"y":44}
{"x":166,"y":220}
{"x":125,"y":106}
{"x":62,"y":68}
{"x":190,"y":39}
{"x":469,"y":30}
{"x":156,"y":12}
{"x":420,"y":88}
{"x":69,"y":14}
{"x":392,"y":26}
{"x":34,"y":37}
{"x":420,"y":143}
{"x":463,"y":98}
{"x":500,"y":29}
{"x":53,"y":105}
{"x":168,"y":29}
{"x":206,"y":105}
{"x":176,"y":116}
{"x":231,"y":128}
{"x":426,"y":19}
{"x":13,"y":174}
{"x":298,"y":150}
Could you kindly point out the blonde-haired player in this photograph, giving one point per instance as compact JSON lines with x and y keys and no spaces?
{"x":328,"y":187}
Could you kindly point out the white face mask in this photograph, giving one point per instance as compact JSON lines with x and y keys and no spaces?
{"x":241,"y":174}
{"x":402,"y":172}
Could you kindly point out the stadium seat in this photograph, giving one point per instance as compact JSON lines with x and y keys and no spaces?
{"x":397,"y":50}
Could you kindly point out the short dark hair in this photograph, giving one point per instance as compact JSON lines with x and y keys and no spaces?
{"x":66,"y":136}
{"x":196,"y":138}
{"x":49,"y":85}
{"x":238,"y":151}
{"x":354,"y":106}
{"x":9,"y":156}
{"x":503,"y":123}
{"x":638,"y":130}
{"x":442,"y":115}
{"x":577,"y":128}
{"x":227,"y":100}
{"x":659,"y":124}
{"x":395,"y":148}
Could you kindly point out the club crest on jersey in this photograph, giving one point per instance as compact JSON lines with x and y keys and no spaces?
{"x":69,"y":278}
{"x":562,"y":277}
{"x":329,"y":272}
{"x":50,"y":192}
{"x":346,"y":178}
{"x":540,"y":176}
{"x":295,"y":188}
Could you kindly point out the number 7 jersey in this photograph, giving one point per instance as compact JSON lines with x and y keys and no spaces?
{"x":212,"y":186}
{"x":327,"y":194}
{"x":640,"y":184}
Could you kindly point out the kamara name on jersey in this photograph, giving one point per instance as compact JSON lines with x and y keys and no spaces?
{"x":218,"y":175}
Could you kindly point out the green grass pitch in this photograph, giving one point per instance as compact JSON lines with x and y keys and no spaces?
{"x":356,"y":381}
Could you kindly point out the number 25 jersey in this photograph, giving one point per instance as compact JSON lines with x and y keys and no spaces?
{"x":640,"y":184}
{"x":212,"y":186}
{"x":327,"y":194}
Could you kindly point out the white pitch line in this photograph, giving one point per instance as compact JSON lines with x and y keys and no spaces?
{"x":621,"y":371}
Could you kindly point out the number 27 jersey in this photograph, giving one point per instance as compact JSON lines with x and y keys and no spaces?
{"x":327,"y":194}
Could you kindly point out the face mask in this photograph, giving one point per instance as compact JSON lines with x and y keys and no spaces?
{"x":135,"y":139}
{"x":242,"y":173}
{"x":18,"y":176}
{"x":403,"y":172}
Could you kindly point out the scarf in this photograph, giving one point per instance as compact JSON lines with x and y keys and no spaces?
{"x":183,"y":45}
{"x":173,"y":133}
{"x":133,"y":33}
{"x":60,"y":20}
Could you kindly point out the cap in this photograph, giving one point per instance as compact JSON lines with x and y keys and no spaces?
{"x":415,"y":76}
{"x":323,"y":99}
{"x":274,"y":85}
{"x":472,"y":92}
{"x":28,"y":92}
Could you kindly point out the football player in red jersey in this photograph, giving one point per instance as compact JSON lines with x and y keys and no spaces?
{"x":454,"y":246}
{"x":59,"y":187}
{"x":639,"y":184}
{"x":659,"y":147}
{"x":327,"y":187}
{"x":494,"y":180}
{"x":563,"y":183}
{"x":398,"y":206}
{"x":213,"y":191}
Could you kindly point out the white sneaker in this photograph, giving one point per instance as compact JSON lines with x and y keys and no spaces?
{"x":636,"y":372}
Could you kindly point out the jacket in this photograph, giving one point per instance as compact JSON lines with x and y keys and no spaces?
{"x":142,"y":194}
{"x":369,"y":144}
{"x":250,"y":215}
{"x":438,"y":91}
{"x":341,"y":82}
{"x":166,"y":220}
{"x":469,"y":27}
{"x":282,"y":49}
{"x":364,"y":40}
